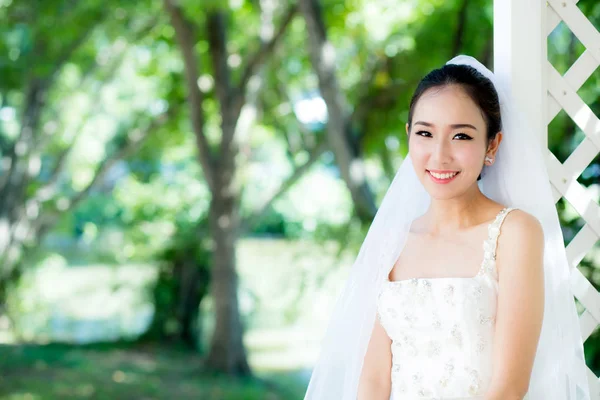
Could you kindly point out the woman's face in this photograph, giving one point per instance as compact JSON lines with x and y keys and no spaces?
{"x":448,"y":141}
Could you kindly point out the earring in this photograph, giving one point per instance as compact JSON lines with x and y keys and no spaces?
{"x":490,"y":160}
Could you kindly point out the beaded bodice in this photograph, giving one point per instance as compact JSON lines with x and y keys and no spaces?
{"x":442,"y":330}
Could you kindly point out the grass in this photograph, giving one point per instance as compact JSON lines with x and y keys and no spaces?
{"x":286,"y":293}
{"x":116,"y":371}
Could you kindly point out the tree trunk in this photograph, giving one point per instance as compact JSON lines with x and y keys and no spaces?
{"x":227,"y":353}
{"x":460,"y":28}
{"x":180,"y":287}
{"x":12,"y":191}
{"x":193,"y":287}
{"x":8,"y":283}
{"x":322,"y":55}
{"x":15,"y":179}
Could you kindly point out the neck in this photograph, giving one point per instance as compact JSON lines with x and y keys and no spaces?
{"x":458,"y":213}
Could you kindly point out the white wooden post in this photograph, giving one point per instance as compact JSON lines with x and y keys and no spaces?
{"x":520,"y":54}
{"x":521,"y":29}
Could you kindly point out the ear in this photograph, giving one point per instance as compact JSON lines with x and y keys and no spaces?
{"x":493,"y":146}
{"x":407,"y":129}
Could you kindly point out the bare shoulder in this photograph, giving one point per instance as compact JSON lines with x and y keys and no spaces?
{"x":520,"y":244}
{"x":519,"y":225}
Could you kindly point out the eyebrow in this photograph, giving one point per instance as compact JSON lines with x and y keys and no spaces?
{"x":453,"y":126}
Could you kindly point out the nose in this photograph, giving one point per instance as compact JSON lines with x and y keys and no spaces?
{"x":441,"y":153}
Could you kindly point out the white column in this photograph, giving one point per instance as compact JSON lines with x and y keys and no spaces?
{"x":520,"y":54}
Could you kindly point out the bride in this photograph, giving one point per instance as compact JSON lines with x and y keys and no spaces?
{"x":461,"y":287}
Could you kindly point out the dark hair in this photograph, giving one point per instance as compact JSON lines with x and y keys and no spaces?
{"x":479,"y":88}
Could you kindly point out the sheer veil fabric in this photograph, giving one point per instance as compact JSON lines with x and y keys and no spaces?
{"x":518,"y":178}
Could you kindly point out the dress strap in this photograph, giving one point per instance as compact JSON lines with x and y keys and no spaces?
{"x":490,"y":244}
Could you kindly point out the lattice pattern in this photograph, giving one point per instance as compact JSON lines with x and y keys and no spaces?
{"x":562,"y":94}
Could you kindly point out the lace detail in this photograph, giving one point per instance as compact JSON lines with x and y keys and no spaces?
{"x":491,"y":243}
{"x":442,"y":330}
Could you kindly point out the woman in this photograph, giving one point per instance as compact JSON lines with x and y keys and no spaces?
{"x":426,"y":314}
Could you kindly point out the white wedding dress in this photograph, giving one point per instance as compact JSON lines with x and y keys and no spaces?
{"x":442,"y":330}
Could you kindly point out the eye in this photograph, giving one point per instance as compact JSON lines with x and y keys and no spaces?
{"x":423,"y":133}
{"x":464,"y":136}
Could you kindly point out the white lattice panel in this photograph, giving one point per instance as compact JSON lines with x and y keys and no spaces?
{"x":562,"y":95}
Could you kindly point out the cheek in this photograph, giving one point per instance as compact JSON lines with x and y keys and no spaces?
{"x":465,"y":155}
{"x":470,"y":156}
{"x":419,"y":151}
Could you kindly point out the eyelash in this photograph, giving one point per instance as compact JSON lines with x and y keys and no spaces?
{"x":467,"y":137}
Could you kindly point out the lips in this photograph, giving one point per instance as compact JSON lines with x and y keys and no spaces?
{"x":443,"y":176}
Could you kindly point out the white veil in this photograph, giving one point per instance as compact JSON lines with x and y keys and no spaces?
{"x":518,"y":178}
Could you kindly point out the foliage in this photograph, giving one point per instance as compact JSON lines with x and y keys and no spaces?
{"x":126,"y":71}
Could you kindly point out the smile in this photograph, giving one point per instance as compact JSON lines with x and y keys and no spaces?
{"x":442,"y":178}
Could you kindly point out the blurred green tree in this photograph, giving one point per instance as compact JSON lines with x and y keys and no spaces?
{"x":43,"y":67}
{"x":221,"y":160}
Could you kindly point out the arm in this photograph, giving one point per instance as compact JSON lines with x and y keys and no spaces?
{"x":375,"y":380}
{"x":520,"y":305}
